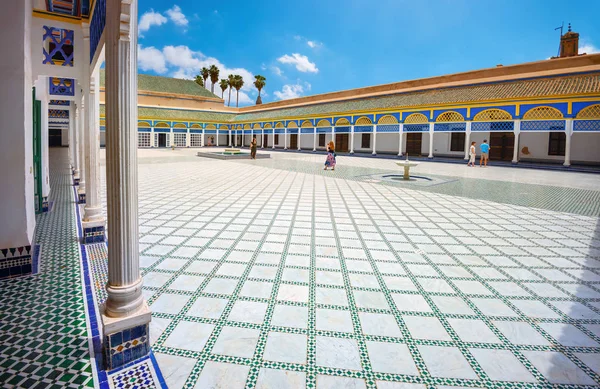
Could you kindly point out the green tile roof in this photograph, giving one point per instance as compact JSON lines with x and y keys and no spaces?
{"x":178,"y":86}
{"x":533,"y":88}
{"x":179,"y":114}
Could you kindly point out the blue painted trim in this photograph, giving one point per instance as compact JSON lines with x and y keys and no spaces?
{"x":586,"y":125}
{"x":450,"y":127}
{"x":144,"y":130}
{"x":580,"y":105}
{"x":562,"y":107}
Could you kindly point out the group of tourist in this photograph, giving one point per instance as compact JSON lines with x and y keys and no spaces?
{"x":485,"y":154}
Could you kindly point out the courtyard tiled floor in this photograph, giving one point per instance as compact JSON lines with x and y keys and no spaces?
{"x":275,"y":274}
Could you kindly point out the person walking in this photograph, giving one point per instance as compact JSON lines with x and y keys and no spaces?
{"x":330,"y":161}
{"x":472,"y":155}
{"x":485,"y":153}
{"x":253,"y":148}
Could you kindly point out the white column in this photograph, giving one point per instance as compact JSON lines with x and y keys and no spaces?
{"x":273,"y":139}
{"x":171,"y":137}
{"x":299,"y":139}
{"x":81,"y":129}
{"x":314,"y":138}
{"x":72,"y":150}
{"x":188,"y":138}
{"x":93,"y":207}
{"x":202,"y":140}
{"x":262,"y":140}
{"x":400,"y":141}
{"x":76,"y":140}
{"x":217,"y":137}
{"x":229,"y":138}
{"x":517,"y":131}
{"x":352,"y":139}
{"x":285,"y":139}
{"x":151,"y":136}
{"x":467,"y":140}
{"x":430,"y":140}
{"x":125,"y":306}
{"x":45,"y":145}
{"x":374,"y":139}
{"x":333,"y":135}
{"x":569,"y":134}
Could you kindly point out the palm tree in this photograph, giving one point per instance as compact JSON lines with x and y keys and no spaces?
{"x":224,"y":84}
{"x":205,"y":72}
{"x":259,"y":83}
{"x":239,"y":83}
{"x":231,"y":82}
{"x":199,"y":80}
{"x":214,"y":77}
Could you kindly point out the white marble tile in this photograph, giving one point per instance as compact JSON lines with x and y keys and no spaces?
{"x":370,"y":300}
{"x":147,"y":260}
{"x":399,"y":385}
{"x":452,"y":305}
{"x":429,"y":328}
{"x":188,"y":283}
{"x":520,"y":333}
{"x":357,"y":265}
{"x":237,"y":342}
{"x":472,"y":287}
{"x":379,"y":324}
{"x":544,"y":289}
{"x":189,"y":336}
{"x":329,"y":278}
{"x":266,"y":272}
{"x":509,"y":289}
{"x":208,"y":307}
{"x":331,"y":296}
{"x":169,"y":303}
{"x":411,"y":302}
{"x":446,"y":362}
{"x":502,"y":365}
{"x":186,"y":252}
{"x":257,"y":289}
{"x":231,"y":269}
{"x":392,"y":358}
{"x":218,"y":375}
{"x":155,"y":279}
{"x":575,"y":310}
{"x":338,"y":353}
{"x":435,"y":285}
{"x":334,"y":320}
{"x":282,"y":347}
{"x":557,"y":368}
{"x":174,"y":369}
{"x":248,"y":312}
{"x":280,"y":379}
{"x":535,"y":309}
{"x":297,"y":293}
{"x":469,"y":330}
{"x":568,"y":335}
{"x":493,"y":307}
{"x":363,"y":281}
{"x":157,"y":327}
{"x":290,"y":316}
{"x":399,"y":283}
{"x":332,"y":382}
{"x":203,"y":267}
{"x":295,"y":275}
{"x":221,"y":286}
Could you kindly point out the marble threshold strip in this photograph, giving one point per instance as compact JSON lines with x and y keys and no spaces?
{"x":92,"y":318}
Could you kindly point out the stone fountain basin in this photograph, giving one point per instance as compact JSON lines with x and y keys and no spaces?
{"x":407,"y":165}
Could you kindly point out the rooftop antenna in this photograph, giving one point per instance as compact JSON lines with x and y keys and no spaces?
{"x":561,"y":34}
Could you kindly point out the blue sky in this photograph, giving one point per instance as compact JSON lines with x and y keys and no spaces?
{"x":316,"y":46}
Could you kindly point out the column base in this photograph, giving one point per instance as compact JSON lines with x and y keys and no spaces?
{"x":127,"y":338}
{"x":19,"y":261}
{"x":93,"y":232}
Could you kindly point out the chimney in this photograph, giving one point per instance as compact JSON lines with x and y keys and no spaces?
{"x":569,"y":44}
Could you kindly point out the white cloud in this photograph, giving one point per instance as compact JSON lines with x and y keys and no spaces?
{"x":289,"y":91}
{"x":300,"y":61}
{"x":307,"y":86}
{"x":588,"y":48}
{"x":177,"y":16}
{"x":150,"y":58}
{"x":277,"y":70}
{"x":150,"y":19}
{"x":314,"y":44}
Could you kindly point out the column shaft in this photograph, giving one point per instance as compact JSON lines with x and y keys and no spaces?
{"x":467,"y":140}
{"x":569,"y":134}
{"x":430,"y":140}
{"x":352,"y":139}
{"x":517,"y":132}
{"x":93,"y":207}
{"x":81,"y":130}
{"x":374,"y":139}
{"x":400,"y":140}
{"x":124,"y":282}
{"x":285,"y":139}
{"x":315,"y":139}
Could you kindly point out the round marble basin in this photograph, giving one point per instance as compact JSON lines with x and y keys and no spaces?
{"x":407,"y":165}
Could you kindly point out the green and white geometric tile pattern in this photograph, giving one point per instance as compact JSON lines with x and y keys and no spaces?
{"x":270,"y":277}
{"x":43,"y":335}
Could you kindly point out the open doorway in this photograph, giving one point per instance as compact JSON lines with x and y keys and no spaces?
{"x":162,"y":140}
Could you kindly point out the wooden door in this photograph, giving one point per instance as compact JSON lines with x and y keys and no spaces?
{"x":265,"y":142}
{"x":293,"y":141}
{"x":414,"y":143}
{"x":502,"y":145}
{"x":341,"y":143}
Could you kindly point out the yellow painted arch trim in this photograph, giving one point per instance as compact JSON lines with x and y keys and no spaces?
{"x":589,"y":112}
{"x":416,"y":118}
{"x":363,"y":121}
{"x":543,"y":113}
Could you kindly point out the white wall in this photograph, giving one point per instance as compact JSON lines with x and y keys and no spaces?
{"x":387,"y":143}
{"x":17,"y":210}
{"x":64,"y":137}
{"x":585,"y":147}
{"x":307,"y":141}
